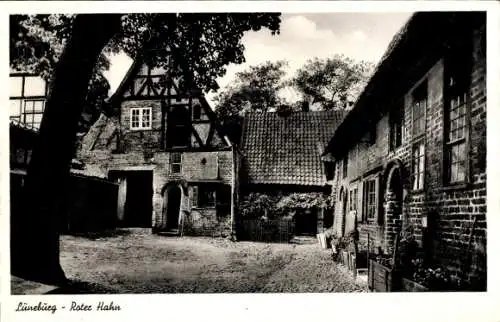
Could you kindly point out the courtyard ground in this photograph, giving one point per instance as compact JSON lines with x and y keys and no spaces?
{"x":136,"y":261}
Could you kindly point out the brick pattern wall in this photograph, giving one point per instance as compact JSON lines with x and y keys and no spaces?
{"x":142,"y":150}
{"x":450,"y":210}
{"x":133,"y":140}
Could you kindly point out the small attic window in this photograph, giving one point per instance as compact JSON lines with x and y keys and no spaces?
{"x":197,"y":112}
{"x":329,"y":170}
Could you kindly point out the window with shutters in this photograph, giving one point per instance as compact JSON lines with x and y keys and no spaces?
{"x":175,"y":162}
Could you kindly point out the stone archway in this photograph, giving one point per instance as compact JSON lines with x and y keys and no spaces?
{"x":394,"y":192}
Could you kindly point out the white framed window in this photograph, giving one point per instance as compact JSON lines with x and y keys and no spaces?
{"x":418,"y":165}
{"x":370,"y":200}
{"x":175,"y":163}
{"x":353,"y":199}
{"x":140,"y":118}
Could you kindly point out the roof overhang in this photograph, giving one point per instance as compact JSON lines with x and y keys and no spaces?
{"x":417,"y":46}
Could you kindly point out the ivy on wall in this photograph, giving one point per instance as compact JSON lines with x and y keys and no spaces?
{"x":257,"y":205}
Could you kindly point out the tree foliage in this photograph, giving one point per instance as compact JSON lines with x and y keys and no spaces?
{"x":324,"y":83}
{"x":204,"y":44}
{"x":36,"y":44}
{"x":254,"y":89}
{"x":71,"y":73}
{"x":331,"y":82}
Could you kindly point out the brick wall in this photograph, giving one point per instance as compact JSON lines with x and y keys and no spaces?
{"x":450,"y":210}
{"x":142,"y":151}
{"x":133,"y":140}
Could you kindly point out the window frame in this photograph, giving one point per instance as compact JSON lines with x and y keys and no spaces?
{"x":367,"y":203}
{"x":421,"y":88}
{"x":421,"y":171}
{"x":196,"y":108}
{"x":396,"y":125}
{"x":195,"y":198}
{"x":344,"y":167}
{"x":172,"y":163}
{"x":451,"y":91}
{"x":140,"y":116}
{"x":179,"y":119}
{"x":353,"y":198}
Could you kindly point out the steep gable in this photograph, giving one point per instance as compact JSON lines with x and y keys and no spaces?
{"x":151,"y":111}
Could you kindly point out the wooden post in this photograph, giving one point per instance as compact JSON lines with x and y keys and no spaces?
{"x":396,"y":245}
{"x":368,"y":251}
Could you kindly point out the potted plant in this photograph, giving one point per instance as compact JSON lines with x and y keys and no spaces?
{"x":431,"y":278}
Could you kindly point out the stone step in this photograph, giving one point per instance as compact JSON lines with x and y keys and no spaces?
{"x":170,"y":232}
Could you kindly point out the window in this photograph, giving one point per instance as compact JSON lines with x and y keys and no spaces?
{"x":329,"y":170}
{"x":353,"y":199}
{"x":417,"y":161}
{"x":370,"y":199}
{"x":456,"y":127}
{"x":179,"y":127}
{"x":34,"y":86}
{"x":203,"y":196}
{"x":344,"y":167}
{"x":27,"y":99}
{"x":24,"y":85}
{"x":33,"y":111}
{"x":418,"y":109}
{"x":197,"y":112}
{"x":16,"y":86}
{"x":140,"y":118}
{"x":396,"y":117}
{"x":175,"y":163}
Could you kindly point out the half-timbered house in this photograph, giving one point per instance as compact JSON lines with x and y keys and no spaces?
{"x":165,"y":147}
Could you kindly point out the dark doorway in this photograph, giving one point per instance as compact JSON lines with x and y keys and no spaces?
{"x":136,"y":208}
{"x":328,"y":217}
{"x":305,"y":222}
{"x":173,"y":207}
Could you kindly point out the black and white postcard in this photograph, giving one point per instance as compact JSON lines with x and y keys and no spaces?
{"x":249,"y":160}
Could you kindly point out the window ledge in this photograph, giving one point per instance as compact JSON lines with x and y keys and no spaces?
{"x":456,"y":186}
{"x":141,"y":129}
{"x":204,"y":208}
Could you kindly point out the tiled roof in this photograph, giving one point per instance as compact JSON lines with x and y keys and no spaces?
{"x":281,"y":149}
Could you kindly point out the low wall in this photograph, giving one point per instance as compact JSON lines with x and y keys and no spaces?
{"x":89,"y":205}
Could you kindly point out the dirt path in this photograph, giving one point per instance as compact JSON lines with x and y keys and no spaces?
{"x":140,"y":262}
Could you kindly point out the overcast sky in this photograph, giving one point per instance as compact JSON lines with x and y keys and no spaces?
{"x":361,"y":36}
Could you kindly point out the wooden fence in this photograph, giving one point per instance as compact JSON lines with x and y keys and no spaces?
{"x":90,"y":203}
{"x":275,"y":230}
